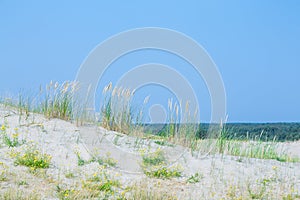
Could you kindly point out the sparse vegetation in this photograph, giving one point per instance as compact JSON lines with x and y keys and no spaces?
{"x":99,"y":185}
{"x":106,"y":160}
{"x":141,"y":191}
{"x":13,"y":194}
{"x":54,"y":101}
{"x":252,"y":148}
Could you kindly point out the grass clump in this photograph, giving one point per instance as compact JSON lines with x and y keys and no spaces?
{"x":33,"y":158}
{"x":58,"y":100}
{"x":117,"y":111}
{"x":181,"y":125}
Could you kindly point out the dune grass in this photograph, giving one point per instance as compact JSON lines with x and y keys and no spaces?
{"x":55,"y":100}
{"x":119,"y":114}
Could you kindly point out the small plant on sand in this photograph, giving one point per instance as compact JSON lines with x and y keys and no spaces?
{"x":194,"y":178}
{"x":66,"y":194}
{"x":3,"y":171}
{"x":260,"y":191}
{"x":10,"y":140}
{"x":33,"y":158}
{"x":102,"y":184}
{"x":69,"y":175}
{"x":107,"y":160}
{"x":155,"y":158}
{"x":80,"y":161}
{"x":164,"y":172}
{"x":22,"y":182}
{"x":155,"y":165}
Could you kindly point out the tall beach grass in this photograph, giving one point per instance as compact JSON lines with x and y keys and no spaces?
{"x":118,"y":113}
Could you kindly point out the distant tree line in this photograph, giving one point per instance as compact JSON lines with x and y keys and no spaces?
{"x":242,"y":131}
{"x":261,"y":131}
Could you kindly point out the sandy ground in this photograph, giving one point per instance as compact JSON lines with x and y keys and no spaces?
{"x":220,"y":174}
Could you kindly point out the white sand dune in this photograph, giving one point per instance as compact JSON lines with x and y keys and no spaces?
{"x":221,"y":174}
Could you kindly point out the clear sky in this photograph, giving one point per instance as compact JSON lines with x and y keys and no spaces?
{"x":255,"y":44}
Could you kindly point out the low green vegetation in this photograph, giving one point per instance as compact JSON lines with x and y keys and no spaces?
{"x":80,"y":161}
{"x":194,"y":178}
{"x":3,"y":171}
{"x":13,"y":194}
{"x":100,"y":185}
{"x":155,"y":165}
{"x":143,"y":192}
{"x":32,"y":157}
{"x":155,"y":158}
{"x":255,"y":148}
{"x":10,"y":139}
{"x":106,"y":160}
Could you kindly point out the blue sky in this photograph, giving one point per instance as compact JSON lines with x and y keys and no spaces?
{"x":255,"y":45}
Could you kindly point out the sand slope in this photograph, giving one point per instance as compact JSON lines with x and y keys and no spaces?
{"x":220,"y":175}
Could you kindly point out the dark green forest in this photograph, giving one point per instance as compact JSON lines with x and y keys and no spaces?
{"x":241,"y":131}
{"x":261,"y":131}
